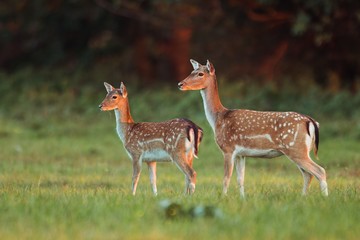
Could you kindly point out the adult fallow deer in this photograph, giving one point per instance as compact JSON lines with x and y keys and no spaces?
{"x":244,"y":133}
{"x":175,"y":140}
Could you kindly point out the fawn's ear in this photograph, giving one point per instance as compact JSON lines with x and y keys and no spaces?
{"x":210,"y":67}
{"x":195,"y":64}
{"x":123,"y":90}
{"x":108,"y":87}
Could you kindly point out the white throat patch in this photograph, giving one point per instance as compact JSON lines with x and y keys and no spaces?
{"x":208,"y":114}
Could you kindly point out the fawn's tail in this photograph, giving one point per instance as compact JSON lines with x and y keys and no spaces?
{"x":194,"y":135}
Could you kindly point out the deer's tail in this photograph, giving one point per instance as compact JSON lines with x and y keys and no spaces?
{"x":194,"y":135}
{"x":316,"y":134}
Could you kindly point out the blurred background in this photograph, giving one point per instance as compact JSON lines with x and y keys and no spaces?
{"x":300,"y":55}
{"x":265,"y":40}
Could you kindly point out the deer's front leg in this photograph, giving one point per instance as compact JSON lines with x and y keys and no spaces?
{"x":152,"y":173}
{"x":228,"y":169}
{"x":240,"y":170}
{"x":136,"y":173}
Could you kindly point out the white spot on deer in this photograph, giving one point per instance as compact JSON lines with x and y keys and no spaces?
{"x":296,"y":133}
{"x":177,"y":140}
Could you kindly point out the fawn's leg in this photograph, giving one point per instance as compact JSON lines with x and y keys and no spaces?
{"x":190,"y":175}
{"x":136,"y":174}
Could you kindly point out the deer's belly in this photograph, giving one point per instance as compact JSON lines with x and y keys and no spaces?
{"x":254,"y":152}
{"x":158,"y":155}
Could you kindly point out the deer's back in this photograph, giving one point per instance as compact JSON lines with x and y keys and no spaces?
{"x":250,"y":129}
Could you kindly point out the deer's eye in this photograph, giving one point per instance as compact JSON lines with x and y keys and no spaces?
{"x":201,"y":74}
{"x":114,"y":97}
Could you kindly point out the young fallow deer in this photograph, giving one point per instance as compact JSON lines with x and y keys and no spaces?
{"x":244,"y":133}
{"x":175,"y":140}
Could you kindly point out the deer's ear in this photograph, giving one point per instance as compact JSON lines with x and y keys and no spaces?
{"x":210,"y":67}
{"x":108,"y":87}
{"x":195,"y":64}
{"x":123,"y":90}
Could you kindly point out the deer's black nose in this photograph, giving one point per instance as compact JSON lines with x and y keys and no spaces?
{"x":100,"y":106}
{"x":180,"y":84}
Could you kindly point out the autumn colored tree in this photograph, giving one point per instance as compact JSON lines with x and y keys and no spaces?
{"x":264,"y":39}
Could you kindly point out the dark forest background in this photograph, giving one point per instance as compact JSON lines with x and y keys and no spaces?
{"x":263,"y":40}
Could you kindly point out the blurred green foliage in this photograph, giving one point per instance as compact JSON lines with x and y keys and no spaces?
{"x":34,"y":97}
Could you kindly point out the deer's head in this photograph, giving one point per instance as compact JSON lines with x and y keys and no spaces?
{"x":116,"y":98}
{"x":199,"y":78}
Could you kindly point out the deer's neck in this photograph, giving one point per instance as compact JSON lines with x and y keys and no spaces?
{"x":212,"y":103}
{"x":123,"y":122}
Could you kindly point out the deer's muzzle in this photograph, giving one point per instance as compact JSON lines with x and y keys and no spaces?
{"x":180,"y":85}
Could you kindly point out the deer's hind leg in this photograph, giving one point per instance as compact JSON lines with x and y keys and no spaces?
{"x":309,"y":167}
{"x":314,"y":169}
{"x":183,"y":163}
{"x":307,"y":180}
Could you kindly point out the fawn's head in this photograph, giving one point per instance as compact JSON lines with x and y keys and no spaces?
{"x":115,"y":98}
{"x":199,"y":78}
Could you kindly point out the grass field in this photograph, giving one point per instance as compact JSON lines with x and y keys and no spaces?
{"x":64,"y":175}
